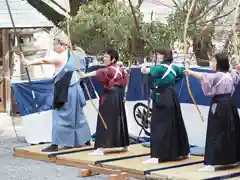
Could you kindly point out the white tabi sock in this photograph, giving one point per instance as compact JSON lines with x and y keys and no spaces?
{"x":187,"y":156}
{"x":97,"y":152}
{"x":207,"y":168}
{"x":151,"y":161}
{"x":126,"y":148}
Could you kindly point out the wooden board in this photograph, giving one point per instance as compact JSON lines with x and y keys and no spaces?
{"x":136,"y":166}
{"x":34,"y":152}
{"x":2,"y":97}
{"x":236,"y":178}
{"x":191,"y":173}
{"x":82,"y":158}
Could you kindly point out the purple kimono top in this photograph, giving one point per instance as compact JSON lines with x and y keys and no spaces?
{"x":219,"y":83}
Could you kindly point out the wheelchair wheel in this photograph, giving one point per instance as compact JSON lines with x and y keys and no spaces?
{"x":139,"y":113}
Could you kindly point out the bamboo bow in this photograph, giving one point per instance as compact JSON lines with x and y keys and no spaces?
{"x":185,"y":57}
{"x":78,"y":64}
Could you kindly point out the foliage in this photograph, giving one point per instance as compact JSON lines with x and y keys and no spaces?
{"x":157,"y":35}
{"x":204,"y":13}
{"x":98,"y":25}
{"x":202,"y":23}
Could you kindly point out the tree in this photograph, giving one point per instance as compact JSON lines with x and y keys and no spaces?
{"x":99,"y":24}
{"x":202,"y":24}
{"x":229,"y":42}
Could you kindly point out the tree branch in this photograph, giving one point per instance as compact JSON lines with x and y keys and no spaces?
{"x":177,"y":6}
{"x":207,"y":11}
{"x":218,"y":17}
{"x":139,"y":3}
{"x":185,"y":6}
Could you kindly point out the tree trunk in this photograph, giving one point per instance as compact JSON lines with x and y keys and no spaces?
{"x":202,"y":47}
{"x":201,"y":53}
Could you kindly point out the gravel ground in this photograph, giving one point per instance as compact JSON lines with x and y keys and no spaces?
{"x":13,"y":168}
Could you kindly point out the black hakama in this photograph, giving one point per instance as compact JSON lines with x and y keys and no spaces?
{"x":111,"y":107}
{"x":223,"y":132}
{"x":169,"y":140}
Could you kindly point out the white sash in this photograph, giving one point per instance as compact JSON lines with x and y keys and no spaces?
{"x":117,"y":72}
{"x":169,"y":69}
{"x":225,"y":75}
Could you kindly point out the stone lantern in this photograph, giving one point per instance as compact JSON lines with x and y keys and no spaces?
{"x":30,"y":51}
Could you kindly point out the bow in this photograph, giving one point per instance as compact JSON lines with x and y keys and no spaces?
{"x":21,"y":51}
{"x":185,"y":57}
{"x":235,"y":34}
{"x":78,"y":64}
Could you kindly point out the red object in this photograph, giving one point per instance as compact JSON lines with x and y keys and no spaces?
{"x":112,"y":76}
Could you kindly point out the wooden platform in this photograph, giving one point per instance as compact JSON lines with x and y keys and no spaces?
{"x":236,"y":178}
{"x":34,"y":152}
{"x":129,"y":163}
{"x":137,"y":169}
{"x":191,"y":173}
{"x":82,"y":158}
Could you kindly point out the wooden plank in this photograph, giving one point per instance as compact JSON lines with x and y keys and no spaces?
{"x":2,"y":100}
{"x":96,"y":169}
{"x":6,"y":62}
{"x":136,"y":166}
{"x":34,"y":152}
{"x":192,"y":173}
{"x":33,"y":148}
{"x":77,"y":159}
{"x":236,"y":178}
{"x":101,"y":170}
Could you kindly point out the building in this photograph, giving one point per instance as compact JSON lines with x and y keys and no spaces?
{"x":27,"y":21}
{"x":156,"y":10}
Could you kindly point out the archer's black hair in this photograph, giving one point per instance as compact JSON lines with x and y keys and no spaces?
{"x":222,"y":62}
{"x":112,"y":52}
{"x":167,"y":53}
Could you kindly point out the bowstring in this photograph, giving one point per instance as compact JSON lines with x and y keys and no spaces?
{"x":79,"y":67}
{"x":185,"y":57}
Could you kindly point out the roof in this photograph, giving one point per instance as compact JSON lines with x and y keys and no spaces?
{"x":47,"y":11}
{"x":24,"y":15}
{"x":61,"y":3}
{"x":55,"y":10}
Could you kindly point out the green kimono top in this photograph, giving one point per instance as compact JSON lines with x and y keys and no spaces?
{"x":166,"y":74}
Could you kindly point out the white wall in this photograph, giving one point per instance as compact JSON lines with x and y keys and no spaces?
{"x":160,"y":8}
